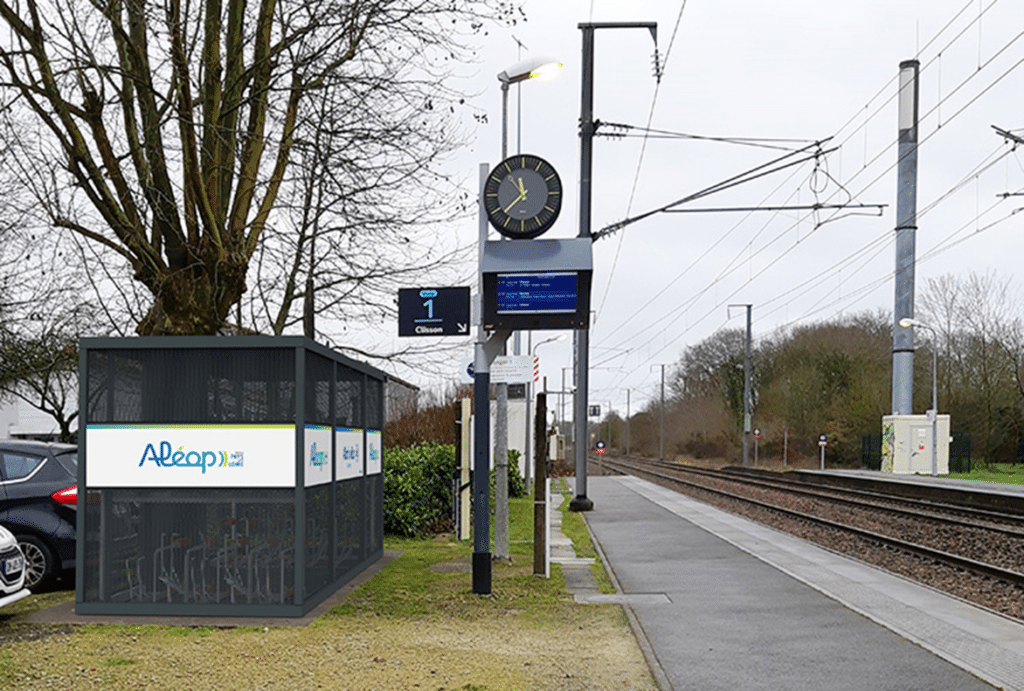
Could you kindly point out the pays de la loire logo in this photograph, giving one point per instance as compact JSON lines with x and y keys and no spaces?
{"x":165,"y":456}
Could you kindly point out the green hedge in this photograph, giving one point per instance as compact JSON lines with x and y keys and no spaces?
{"x":418,"y":488}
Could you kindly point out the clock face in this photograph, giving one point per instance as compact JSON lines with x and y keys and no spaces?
{"x":522,"y":196}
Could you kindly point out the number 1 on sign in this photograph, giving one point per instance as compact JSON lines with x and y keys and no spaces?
{"x":429,"y":304}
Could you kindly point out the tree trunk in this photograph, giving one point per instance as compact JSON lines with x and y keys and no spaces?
{"x":192,"y":301}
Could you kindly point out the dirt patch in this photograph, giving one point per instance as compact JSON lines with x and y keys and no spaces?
{"x":579,"y":647}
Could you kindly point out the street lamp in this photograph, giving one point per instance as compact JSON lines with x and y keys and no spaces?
{"x":544,"y":69}
{"x":933,"y":414}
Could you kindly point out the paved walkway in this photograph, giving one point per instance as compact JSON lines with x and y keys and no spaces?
{"x":721,"y":602}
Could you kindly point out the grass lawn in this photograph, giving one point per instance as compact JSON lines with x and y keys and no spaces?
{"x":417,"y":624}
{"x":1005,"y":473}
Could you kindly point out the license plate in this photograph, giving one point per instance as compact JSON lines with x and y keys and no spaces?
{"x":13,"y":565}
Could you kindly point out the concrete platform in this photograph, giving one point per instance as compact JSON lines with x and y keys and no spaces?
{"x":722,"y":602}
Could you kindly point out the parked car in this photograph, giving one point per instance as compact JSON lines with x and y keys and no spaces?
{"x":12,"y":569}
{"x":38,"y":498}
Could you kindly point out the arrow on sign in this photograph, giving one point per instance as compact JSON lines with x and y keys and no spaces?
{"x":463,"y":328}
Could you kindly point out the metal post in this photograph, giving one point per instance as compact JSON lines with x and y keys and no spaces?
{"x":482,"y":442}
{"x":785,"y":448}
{"x":627,"y":422}
{"x":822,"y":446}
{"x":935,"y":409}
{"x":746,"y":394}
{"x":501,"y":473}
{"x":661,"y":427}
{"x":906,"y":231}
{"x":581,"y":502}
{"x":501,"y":550}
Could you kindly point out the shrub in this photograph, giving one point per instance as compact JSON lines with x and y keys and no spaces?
{"x":418,"y":488}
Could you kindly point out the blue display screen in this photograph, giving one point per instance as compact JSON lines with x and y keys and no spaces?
{"x":540,"y":293}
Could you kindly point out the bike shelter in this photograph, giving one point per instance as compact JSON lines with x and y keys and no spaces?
{"x":225,"y":475}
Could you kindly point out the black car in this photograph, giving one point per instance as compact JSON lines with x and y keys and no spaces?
{"x":38,"y":497}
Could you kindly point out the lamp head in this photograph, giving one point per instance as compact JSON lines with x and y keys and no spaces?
{"x":544,"y":69}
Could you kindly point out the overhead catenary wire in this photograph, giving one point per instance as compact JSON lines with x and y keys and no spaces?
{"x":851,"y":263}
{"x":660,"y":67}
{"x":882,"y":90}
{"x":931,"y":134}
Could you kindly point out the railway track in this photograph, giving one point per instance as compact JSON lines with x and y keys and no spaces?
{"x":975,"y":554}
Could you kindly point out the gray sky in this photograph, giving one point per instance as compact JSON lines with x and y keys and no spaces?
{"x":784,"y":70}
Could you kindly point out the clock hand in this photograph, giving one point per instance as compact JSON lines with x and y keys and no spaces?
{"x":515,"y":201}
{"x":522,"y":192}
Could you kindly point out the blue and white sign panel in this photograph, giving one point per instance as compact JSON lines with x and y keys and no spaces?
{"x":349,"y":443}
{"x":318,"y":455}
{"x":190,"y":456}
{"x":374,"y":452}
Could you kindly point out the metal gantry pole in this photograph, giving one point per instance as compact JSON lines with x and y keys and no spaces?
{"x":906,"y":232}
{"x":582,"y":342}
{"x":587,"y":128}
{"x":935,"y":407}
{"x":746,"y":386}
{"x":746,"y":394}
{"x":627,"y":422}
{"x":661,"y":426}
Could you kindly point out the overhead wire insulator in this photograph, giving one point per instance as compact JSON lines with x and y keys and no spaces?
{"x":656,"y":60}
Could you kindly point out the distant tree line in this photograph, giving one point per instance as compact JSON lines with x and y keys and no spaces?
{"x":835,"y":378}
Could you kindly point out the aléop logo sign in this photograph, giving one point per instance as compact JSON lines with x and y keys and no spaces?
{"x":191,"y":455}
{"x":318,"y":455}
{"x":167,"y":458}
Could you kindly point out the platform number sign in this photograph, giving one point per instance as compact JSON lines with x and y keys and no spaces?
{"x":433,"y":311}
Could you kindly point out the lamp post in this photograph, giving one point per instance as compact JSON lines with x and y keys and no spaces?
{"x":933,"y":414}
{"x":532,"y":68}
{"x":519,"y":72}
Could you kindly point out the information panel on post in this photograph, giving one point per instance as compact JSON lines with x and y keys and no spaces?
{"x":537,"y":284}
{"x":433,"y":311}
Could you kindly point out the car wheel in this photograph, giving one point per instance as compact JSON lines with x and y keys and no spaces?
{"x":39,"y":561}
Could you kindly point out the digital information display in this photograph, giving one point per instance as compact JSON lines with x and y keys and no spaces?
{"x":537,"y":293}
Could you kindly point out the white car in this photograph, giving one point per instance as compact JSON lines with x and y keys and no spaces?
{"x":12,"y":569}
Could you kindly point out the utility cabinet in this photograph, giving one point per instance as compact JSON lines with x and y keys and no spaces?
{"x":907,"y":444}
{"x":225,"y":475}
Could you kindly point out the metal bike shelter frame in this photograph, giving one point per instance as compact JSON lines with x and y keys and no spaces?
{"x":225,"y":475}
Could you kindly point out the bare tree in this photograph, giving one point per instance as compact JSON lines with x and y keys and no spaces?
{"x":165,"y":135}
{"x":974,"y":317}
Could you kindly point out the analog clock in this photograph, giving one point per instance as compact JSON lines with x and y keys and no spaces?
{"x":522,"y":196}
